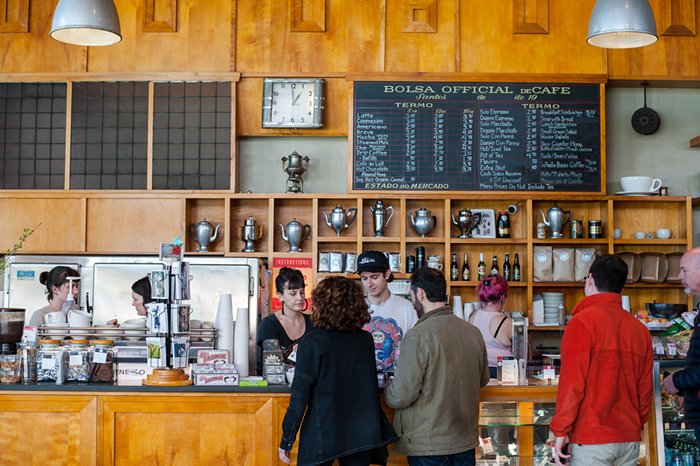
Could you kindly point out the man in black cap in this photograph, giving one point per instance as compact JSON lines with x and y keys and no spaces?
{"x":392,"y":316}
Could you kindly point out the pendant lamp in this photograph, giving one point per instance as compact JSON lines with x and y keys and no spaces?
{"x":622,"y":24}
{"x":86,"y":23}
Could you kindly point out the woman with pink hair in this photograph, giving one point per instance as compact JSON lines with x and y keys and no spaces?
{"x":495,"y":327}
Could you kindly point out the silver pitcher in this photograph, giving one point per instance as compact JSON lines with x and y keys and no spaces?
{"x":555,"y":220}
{"x":379,"y":214}
{"x":423,"y":223}
{"x":292,"y":234}
{"x":338,"y":219}
{"x":250,"y":233}
{"x":295,"y":169}
{"x":466,"y":221}
{"x":204,"y":237}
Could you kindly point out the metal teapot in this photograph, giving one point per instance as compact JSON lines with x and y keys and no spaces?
{"x":423,"y":223}
{"x":204,"y":237}
{"x":338,"y":219}
{"x":466,"y":221}
{"x":294,"y":169}
{"x":379,"y":214}
{"x":555,"y":220}
{"x":292,"y":234}
{"x":250,"y":234}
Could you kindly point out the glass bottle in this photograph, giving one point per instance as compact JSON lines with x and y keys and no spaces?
{"x":503,"y":230}
{"x":516,"y":269}
{"x":481,"y":269}
{"x":454,"y":269}
{"x":465,"y":269}
{"x":506,"y":268}
{"x":494,"y":266}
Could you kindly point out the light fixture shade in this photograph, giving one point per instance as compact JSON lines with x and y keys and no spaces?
{"x":86,"y":22}
{"x":622,"y":24}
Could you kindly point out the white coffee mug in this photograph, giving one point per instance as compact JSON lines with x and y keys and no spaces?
{"x":640,"y":184}
{"x":435,"y":265}
{"x":55,"y":318}
{"x":617,"y":233}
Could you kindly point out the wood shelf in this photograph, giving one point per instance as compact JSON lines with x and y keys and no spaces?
{"x":381,"y":239}
{"x":655,"y":241}
{"x":653,"y":285}
{"x":472,"y":283}
{"x":336,"y":239}
{"x":249,"y":254}
{"x":428,"y":239}
{"x":488,"y":241}
{"x":558,"y":284}
{"x":548,"y":328}
{"x":554,"y":241}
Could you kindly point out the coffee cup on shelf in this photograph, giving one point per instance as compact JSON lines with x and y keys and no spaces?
{"x":640,"y":184}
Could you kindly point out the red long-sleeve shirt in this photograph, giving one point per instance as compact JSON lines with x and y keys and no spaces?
{"x":605,"y":387}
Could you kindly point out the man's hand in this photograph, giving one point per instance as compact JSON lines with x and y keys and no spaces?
{"x":284,"y":456}
{"x":681,"y":405}
{"x":668,"y":385}
{"x":558,"y":445}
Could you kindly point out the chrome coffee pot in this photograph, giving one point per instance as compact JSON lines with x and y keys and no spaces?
{"x":338,"y":218}
{"x":204,"y":237}
{"x":379,"y":214}
{"x":294,"y":169}
{"x":423,"y":223}
{"x":250,"y":234}
{"x":555,"y":220}
{"x":466,"y":221}
{"x":292,"y":234}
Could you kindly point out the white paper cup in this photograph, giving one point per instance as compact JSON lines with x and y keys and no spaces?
{"x":626,"y":303}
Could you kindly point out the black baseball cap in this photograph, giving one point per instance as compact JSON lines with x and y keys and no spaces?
{"x":372,"y":261}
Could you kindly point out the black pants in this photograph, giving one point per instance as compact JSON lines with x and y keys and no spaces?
{"x":356,"y":459}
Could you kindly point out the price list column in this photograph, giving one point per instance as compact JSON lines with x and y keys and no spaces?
{"x":592,"y":143}
{"x":533,"y":147}
{"x":373,"y":159}
{"x":439,"y":133}
{"x":410,"y":145}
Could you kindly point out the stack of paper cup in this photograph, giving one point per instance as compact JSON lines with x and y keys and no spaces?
{"x":240,"y":353}
{"x":626,"y":304}
{"x":468,"y":309}
{"x":457,"y":306}
{"x":224,"y":323}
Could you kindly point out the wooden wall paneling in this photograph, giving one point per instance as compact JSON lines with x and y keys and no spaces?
{"x":160,"y":16}
{"x":308,"y":15}
{"x":677,"y":18}
{"x":60,"y":230}
{"x":202,"y":42}
{"x":420,"y":16}
{"x":485,"y":48}
{"x":48,"y":429}
{"x":14,"y":16}
{"x":410,"y":52}
{"x":265,"y":43}
{"x":530,"y":16}
{"x":248,"y":103}
{"x":132,"y":225}
{"x":35,"y":51}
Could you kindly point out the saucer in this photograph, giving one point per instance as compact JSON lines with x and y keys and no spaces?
{"x":637,"y":193}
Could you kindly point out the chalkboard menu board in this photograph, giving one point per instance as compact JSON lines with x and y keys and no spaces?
{"x":459,"y":136}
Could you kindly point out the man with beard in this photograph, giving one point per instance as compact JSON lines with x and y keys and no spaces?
{"x":687,"y":381}
{"x":435,"y":391}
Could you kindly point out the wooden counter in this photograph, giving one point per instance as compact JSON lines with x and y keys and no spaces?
{"x":106,"y":425}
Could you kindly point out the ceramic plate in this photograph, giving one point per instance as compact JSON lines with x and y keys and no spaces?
{"x":637,"y":193}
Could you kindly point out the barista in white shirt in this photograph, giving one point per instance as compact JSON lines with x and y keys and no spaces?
{"x":392,"y":316}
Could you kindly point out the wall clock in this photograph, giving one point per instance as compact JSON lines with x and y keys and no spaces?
{"x":292,"y":103}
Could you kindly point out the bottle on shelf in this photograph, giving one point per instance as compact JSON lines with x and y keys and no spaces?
{"x":454,"y":269}
{"x":516,"y":269}
{"x":465,"y":269}
{"x":481,"y":268}
{"x":494,"y":266}
{"x":506,"y":269}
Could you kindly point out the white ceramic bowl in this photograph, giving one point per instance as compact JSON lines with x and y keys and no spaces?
{"x":50,"y":331}
{"x":140,"y":322}
{"x":194,"y":323}
{"x":55,"y":318}
{"x":207,"y":324}
{"x":640,"y":235}
{"x":663,"y":233}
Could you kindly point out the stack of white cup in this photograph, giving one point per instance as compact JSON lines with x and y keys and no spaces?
{"x":224,"y":323}
{"x":457,"y":306}
{"x":468,"y":309}
{"x":240,"y":354}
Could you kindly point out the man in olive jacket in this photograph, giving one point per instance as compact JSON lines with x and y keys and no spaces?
{"x":435,"y":392}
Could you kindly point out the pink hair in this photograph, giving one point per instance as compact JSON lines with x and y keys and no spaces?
{"x":493,"y":289}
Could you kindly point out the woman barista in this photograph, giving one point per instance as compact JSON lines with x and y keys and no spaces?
{"x":140,"y":296}
{"x":57,"y":289}
{"x":289,"y":325}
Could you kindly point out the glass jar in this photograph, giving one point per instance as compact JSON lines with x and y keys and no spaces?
{"x":27,"y":350}
{"x":49,"y":356}
{"x":78,"y":361}
{"x":503,"y":228}
{"x":102,"y":360}
{"x":10,"y":368}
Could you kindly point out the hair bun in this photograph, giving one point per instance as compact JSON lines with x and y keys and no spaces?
{"x":43,"y":277}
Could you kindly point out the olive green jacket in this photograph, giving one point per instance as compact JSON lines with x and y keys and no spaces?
{"x":442,"y":367}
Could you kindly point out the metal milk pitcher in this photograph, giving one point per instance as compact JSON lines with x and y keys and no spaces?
{"x":423,"y":223}
{"x":379,"y":216}
{"x":204,"y":237}
{"x":338,"y":218}
{"x":295,"y":169}
{"x":292,"y":234}
{"x":466,"y":221}
{"x":555,"y":220}
{"x":250,"y":233}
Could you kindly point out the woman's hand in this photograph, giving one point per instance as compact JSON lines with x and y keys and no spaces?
{"x":114,"y":322}
{"x":284,"y":456}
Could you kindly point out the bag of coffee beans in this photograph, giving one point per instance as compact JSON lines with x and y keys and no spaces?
{"x":584,"y":259}
{"x":542,"y":264}
{"x":563,"y":264}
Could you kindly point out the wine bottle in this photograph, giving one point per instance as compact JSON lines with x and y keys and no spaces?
{"x":481,"y":269}
{"x":494,"y":266}
{"x":465,"y":269}
{"x":516,"y":269}
{"x":506,"y":269}
{"x":454,"y":269}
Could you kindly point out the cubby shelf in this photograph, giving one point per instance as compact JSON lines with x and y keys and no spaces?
{"x":336,"y":239}
{"x":488,"y":241}
{"x":565,"y":241}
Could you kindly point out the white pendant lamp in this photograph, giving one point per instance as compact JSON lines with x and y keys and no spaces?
{"x":622,"y":24}
{"x":86,"y":23}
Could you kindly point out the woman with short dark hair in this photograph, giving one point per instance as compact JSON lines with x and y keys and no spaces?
{"x":57,"y":290}
{"x":335,"y":387}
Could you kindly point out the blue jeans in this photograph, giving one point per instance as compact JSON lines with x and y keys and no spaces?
{"x":467,"y":458}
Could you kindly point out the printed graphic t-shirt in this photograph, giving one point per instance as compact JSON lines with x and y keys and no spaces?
{"x":390,"y":322}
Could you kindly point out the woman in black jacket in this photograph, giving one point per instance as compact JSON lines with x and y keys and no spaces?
{"x":335,"y":383}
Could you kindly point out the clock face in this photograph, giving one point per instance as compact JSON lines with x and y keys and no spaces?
{"x":292,"y":103}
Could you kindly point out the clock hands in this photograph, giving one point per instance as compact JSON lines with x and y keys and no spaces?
{"x":294,"y":101}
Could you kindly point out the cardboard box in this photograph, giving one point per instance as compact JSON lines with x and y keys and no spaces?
{"x":227,"y":379}
{"x":211,"y":356}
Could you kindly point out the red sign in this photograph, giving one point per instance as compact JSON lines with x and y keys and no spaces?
{"x":303,"y":264}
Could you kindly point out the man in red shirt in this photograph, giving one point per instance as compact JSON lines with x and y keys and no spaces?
{"x":605,"y":386}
